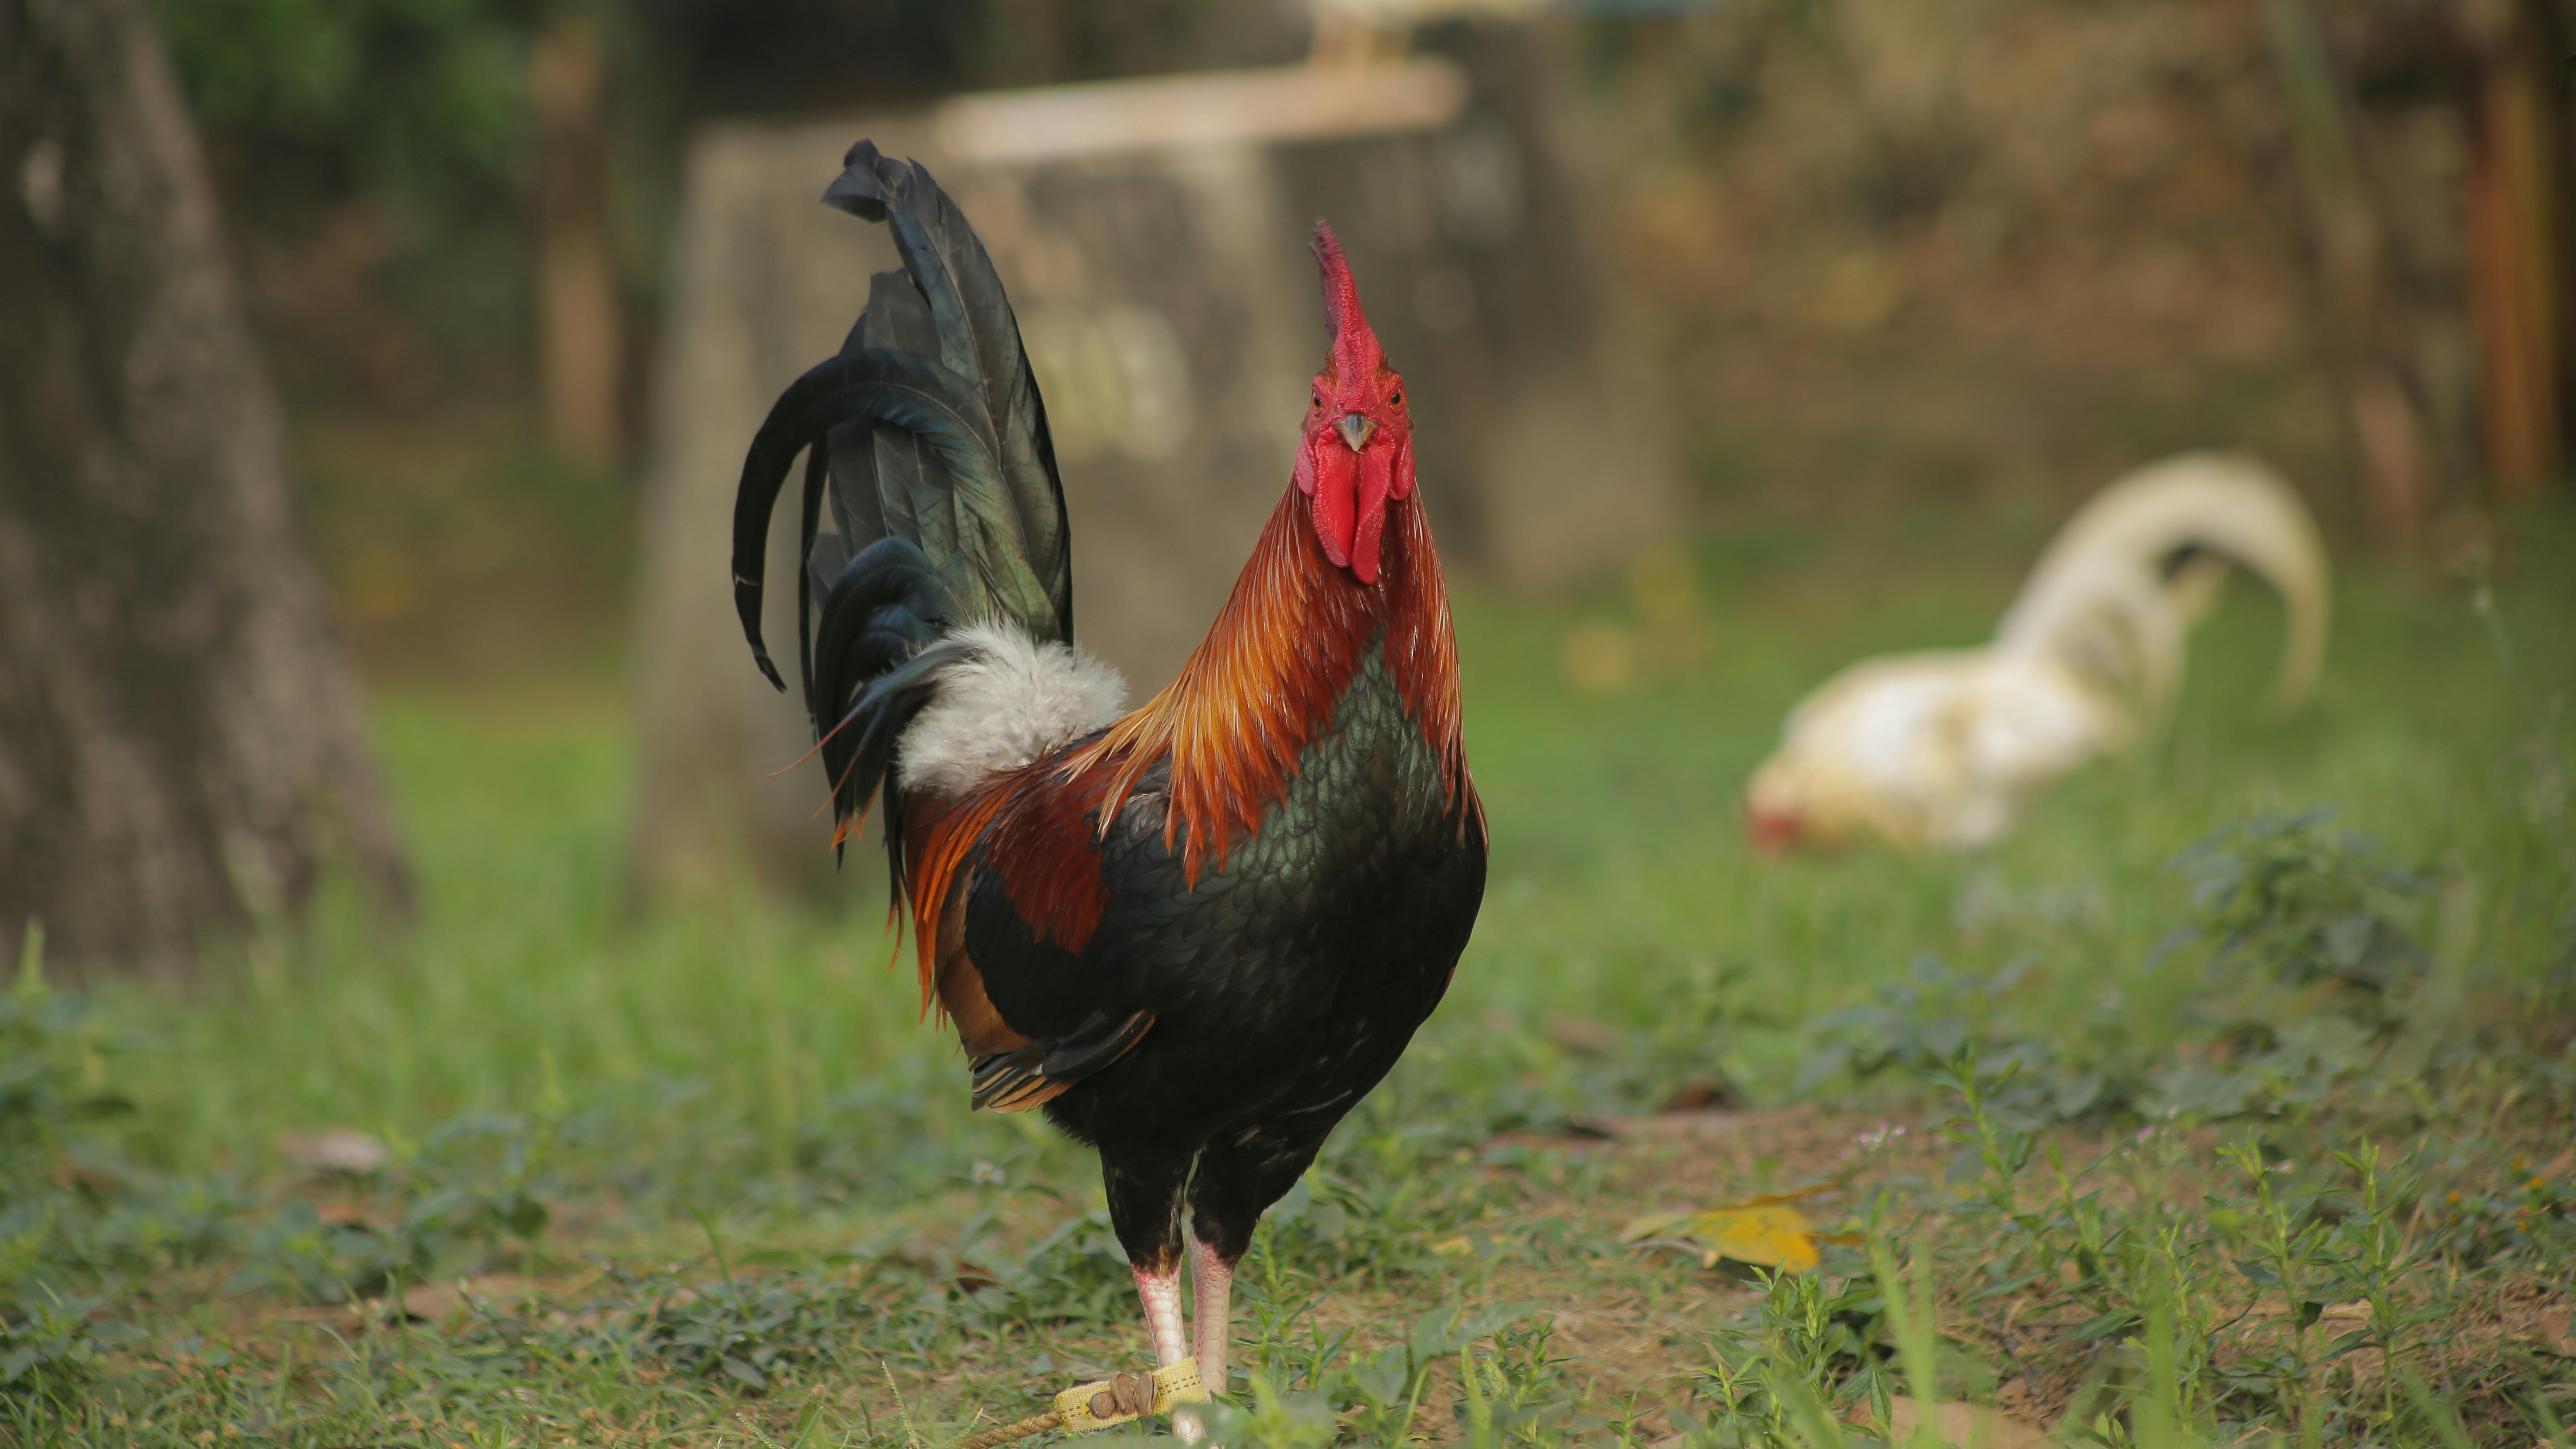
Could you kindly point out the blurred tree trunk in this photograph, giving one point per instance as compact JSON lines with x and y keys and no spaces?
{"x":577,"y":294}
{"x":2361,"y":312}
{"x":2517,"y":296}
{"x":180,"y":745}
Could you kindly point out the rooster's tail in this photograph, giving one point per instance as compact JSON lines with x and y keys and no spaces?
{"x":927,"y":437}
{"x":2139,"y":564}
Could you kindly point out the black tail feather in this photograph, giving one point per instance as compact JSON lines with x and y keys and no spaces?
{"x":978,"y":339}
{"x":817,"y":475}
{"x":875,"y":657}
{"x":926,"y":438}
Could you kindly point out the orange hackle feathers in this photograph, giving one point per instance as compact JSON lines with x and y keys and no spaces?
{"x":1263,"y":684}
{"x":938,"y":835}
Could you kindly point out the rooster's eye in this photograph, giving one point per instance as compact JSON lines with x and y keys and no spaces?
{"x":1398,"y":398}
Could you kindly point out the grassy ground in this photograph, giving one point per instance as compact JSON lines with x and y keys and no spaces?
{"x":2099,"y":1133}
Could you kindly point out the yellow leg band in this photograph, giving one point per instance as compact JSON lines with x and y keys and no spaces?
{"x":1121,"y":1397}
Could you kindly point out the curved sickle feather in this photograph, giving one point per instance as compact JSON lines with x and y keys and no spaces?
{"x":877,"y":385}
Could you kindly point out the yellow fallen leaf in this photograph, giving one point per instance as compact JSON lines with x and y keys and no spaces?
{"x":1453,"y":1247}
{"x":1772,"y":1235}
{"x":1795,"y":1194}
{"x":1653,"y":1224}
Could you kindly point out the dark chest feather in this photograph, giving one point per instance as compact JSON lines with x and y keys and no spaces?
{"x":1341,"y":915}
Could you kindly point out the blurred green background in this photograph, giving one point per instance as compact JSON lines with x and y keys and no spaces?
{"x":1947,"y":254}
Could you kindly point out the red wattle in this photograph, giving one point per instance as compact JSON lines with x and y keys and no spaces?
{"x":1335,"y":488}
{"x":1376,"y":480}
{"x":1351,"y":493}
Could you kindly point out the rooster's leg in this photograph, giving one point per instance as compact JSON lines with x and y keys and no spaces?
{"x":1161,"y":1291}
{"x":1144,"y":1185}
{"x":1212,"y":1279}
{"x":1239,"y":1175}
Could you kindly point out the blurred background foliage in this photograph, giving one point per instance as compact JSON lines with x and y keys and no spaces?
{"x":422,"y":98}
{"x":382,"y":158}
{"x":353,"y":139}
{"x":1933,"y":250}
{"x":389,"y":172}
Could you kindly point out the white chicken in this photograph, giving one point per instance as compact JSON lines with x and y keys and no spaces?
{"x":1946,"y":747}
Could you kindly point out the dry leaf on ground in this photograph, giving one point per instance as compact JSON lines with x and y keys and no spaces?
{"x":1965,"y":1425}
{"x":2556,"y":1331}
{"x":1578,"y":1035}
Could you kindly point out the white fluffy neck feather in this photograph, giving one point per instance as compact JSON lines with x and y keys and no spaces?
{"x":1010,"y":700}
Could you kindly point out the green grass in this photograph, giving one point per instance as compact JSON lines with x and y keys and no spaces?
{"x":743,"y":1178}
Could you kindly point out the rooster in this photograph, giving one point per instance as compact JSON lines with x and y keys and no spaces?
{"x":1946,"y":747}
{"x":1195,"y":934}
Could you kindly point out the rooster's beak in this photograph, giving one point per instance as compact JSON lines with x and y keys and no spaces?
{"x":1356,"y":429}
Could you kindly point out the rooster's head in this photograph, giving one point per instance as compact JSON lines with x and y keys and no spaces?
{"x":1356,"y":456}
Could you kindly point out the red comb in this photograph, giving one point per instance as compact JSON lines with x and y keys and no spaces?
{"x":1355,"y":348}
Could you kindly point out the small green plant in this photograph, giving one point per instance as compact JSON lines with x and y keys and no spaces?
{"x":1298,"y":1371}
{"x":51,"y":1347}
{"x":1274,"y":1418}
{"x":751,"y":1331}
{"x":2293,"y":900}
{"x":1813,"y":1338}
{"x":1516,"y":1394}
